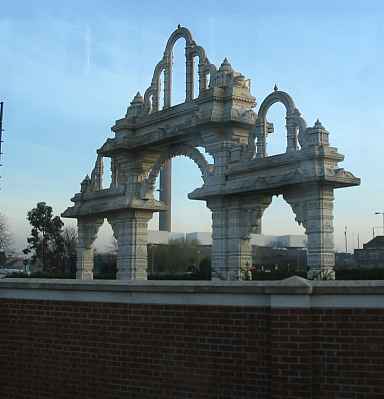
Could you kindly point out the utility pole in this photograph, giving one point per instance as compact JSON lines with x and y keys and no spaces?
{"x":1,"y":127}
{"x":346,"y":240}
{"x":382,"y":214}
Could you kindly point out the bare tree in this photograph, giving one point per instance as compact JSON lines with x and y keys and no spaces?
{"x":70,"y":246}
{"x":6,"y":239}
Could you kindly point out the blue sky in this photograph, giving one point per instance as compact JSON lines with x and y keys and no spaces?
{"x":68,"y":70}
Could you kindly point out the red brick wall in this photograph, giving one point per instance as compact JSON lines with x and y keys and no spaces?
{"x":70,"y":350}
{"x":348,"y":353}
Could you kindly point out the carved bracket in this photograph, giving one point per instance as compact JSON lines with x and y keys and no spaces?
{"x":87,"y":231}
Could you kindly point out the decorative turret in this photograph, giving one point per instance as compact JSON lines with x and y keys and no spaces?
{"x":85,"y":184}
{"x":317,"y":135}
{"x":97,"y":174}
{"x":137,"y":106}
{"x":225,"y":66}
{"x":226,"y":76}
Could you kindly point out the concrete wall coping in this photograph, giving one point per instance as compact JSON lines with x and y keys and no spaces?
{"x":294,"y":292}
{"x":291,"y":286}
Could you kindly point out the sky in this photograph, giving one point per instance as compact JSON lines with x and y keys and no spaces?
{"x":69,"y":69}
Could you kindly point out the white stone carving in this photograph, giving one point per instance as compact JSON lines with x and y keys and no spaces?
{"x":87,"y":229}
{"x":237,"y":188}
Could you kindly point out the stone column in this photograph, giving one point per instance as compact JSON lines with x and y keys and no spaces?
{"x":221,"y":153}
{"x":233,"y":221}
{"x":321,"y":249}
{"x":219,"y":239}
{"x":239,"y":250}
{"x":261,"y":145}
{"x":202,"y":78}
{"x":130,"y":229}
{"x":189,"y":72}
{"x":168,"y":80}
{"x":313,"y":206}
{"x":87,"y":229}
{"x":291,"y":134}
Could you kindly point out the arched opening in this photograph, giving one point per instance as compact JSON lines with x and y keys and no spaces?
{"x":196,"y":87}
{"x":105,"y":247}
{"x":188,"y":245}
{"x":276,"y":142}
{"x":282,"y":245}
{"x":107,"y":175}
{"x":208,"y":79}
{"x":178,"y":73}
{"x":161,"y":91}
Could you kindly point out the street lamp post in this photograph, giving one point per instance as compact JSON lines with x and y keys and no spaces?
{"x":382,"y":214}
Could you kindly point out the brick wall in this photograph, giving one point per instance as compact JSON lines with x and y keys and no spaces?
{"x":52,"y":349}
{"x":69,"y":349}
{"x":94,"y":350}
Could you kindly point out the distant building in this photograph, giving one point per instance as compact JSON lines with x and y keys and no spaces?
{"x":372,"y":253}
{"x":345,"y":260}
{"x":269,"y":259}
{"x":205,"y":239}
{"x":268,"y":252}
{"x":163,"y":237}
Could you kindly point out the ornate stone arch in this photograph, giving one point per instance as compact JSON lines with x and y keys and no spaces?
{"x":179,"y":150}
{"x":295,"y":124}
{"x":151,"y":96}
{"x":180,"y":32}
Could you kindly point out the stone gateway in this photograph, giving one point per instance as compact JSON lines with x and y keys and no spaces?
{"x":237,"y":187}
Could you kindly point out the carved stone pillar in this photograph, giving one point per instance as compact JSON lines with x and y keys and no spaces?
{"x":130,"y":229}
{"x":313,"y":207}
{"x":189,"y":74}
{"x":239,"y":250}
{"x":87,"y":229}
{"x":114,"y":173}
{"x":291,"y":134}
{"x":219,"y":239}
{"x":202,"y":78}
{"x":167,"y":80}
{"x":261,"y":145}
{"x":233,"y":221}
{"x":221,"y":153}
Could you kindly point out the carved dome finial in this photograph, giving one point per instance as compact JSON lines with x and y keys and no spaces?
{"x":275,"y":88}
{"x":178,"y":26}
{"x":138,"y":98}
{"x":85,"y":184}
{"x":136,"y":107}
{"x":225,"y":66}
